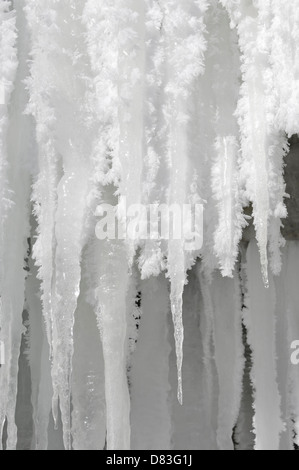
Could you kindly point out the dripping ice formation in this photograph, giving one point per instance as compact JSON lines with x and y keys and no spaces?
{"x":141,"y":344}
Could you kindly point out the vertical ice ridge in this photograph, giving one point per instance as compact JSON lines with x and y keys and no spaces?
{"x":110,"y":45}
{"x":207,"y":332}
{"x":150,"y":415}
{"x":15,"y":176}
{"x":290,"y":281}
{"x":229,"y":354}
{"x":261,"y":325}
{"x":88,"y":378}
{"x":284,"y":286}
{"x":8,"y":51}
{"x":112,"y":282}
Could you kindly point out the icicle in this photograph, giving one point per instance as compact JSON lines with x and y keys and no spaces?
{"x":40,"y":18}
{"x":263,"y":147}
{"x":39,"y":357}
{"x":225,"y":63}
{"x":155,"y":173}
{"x":253,"y":128}
{"x":107,"y":40}
{"x":285,"y":61}
{"x":67,"y":96}
{"x":111,"y":292}
{"x":225,"y":185}
{"x":177,"y":275}
{"x":185,"y":47}
{"x":193,"y":425}
{"x":72,"y":193}
{"x":261,"y":325}
{"x":101,"y":20}
{"x":150,"y":416}
{"x":9,"y":63}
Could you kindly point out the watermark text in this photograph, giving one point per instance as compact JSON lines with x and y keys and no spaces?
{"x":139,"y":222}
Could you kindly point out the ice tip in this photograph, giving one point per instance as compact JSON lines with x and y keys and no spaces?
{"x":265,"y":276}
{"x":180,"y":395}
{"x":266,"y":280}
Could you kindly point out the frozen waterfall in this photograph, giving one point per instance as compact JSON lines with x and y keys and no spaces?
{"x":157,"y":336}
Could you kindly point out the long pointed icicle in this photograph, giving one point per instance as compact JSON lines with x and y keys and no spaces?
{"x":108,"y":279}
{"x":70,"y":215}
{"x":185,"y":45}
{"x":200,"y":400}
{"x":253,"y":128}
{"x":263,"y":145}
{"x":64,"y":204}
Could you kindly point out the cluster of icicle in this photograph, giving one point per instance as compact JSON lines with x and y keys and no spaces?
{"x":157,"y":101}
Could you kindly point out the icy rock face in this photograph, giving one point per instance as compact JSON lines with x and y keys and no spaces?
{"x":146,"y":342}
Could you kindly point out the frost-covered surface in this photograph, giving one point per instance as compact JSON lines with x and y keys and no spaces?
{"x":142,"y":344}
